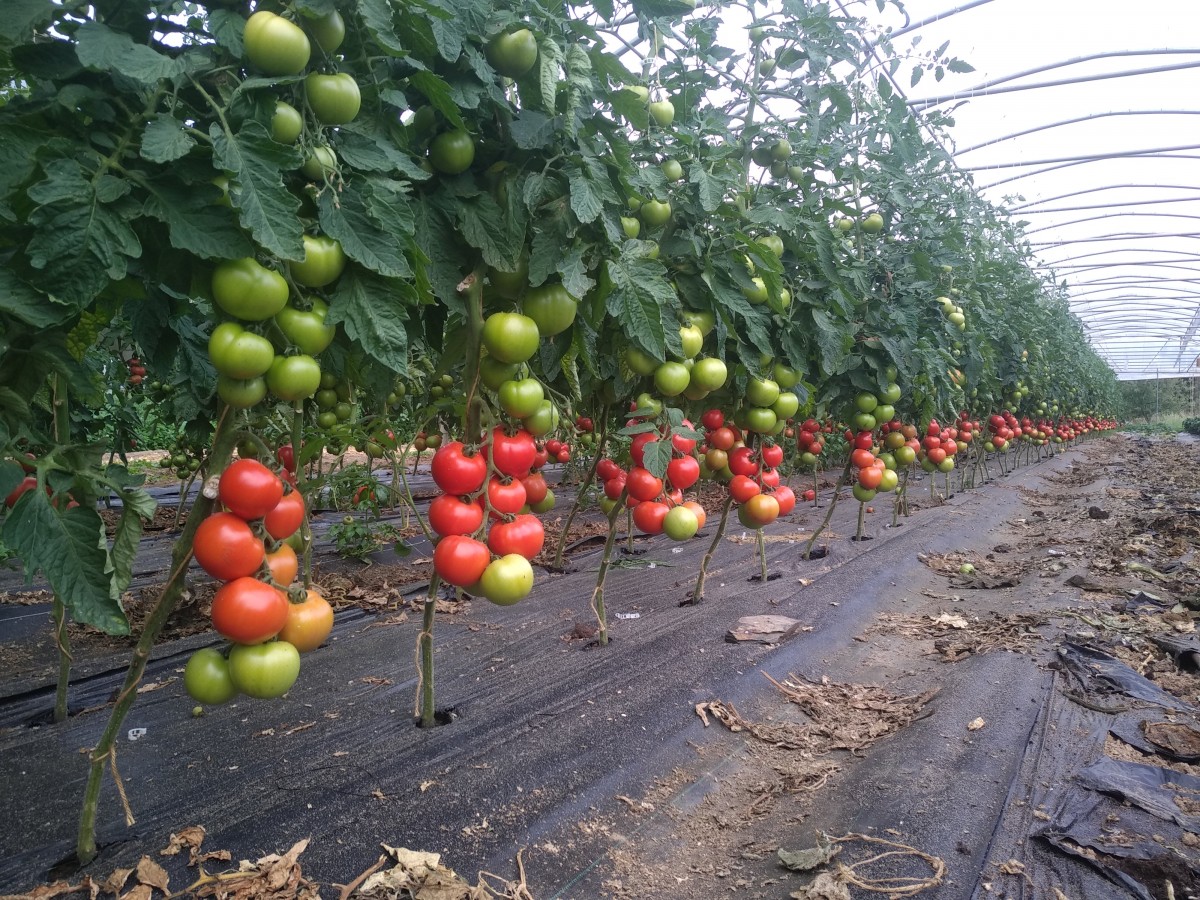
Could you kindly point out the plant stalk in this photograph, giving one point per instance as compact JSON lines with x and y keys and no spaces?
{"x":425,"y":651}
{"x":62,"y":437}
{"x":605,"y":563}
{"x":698,"y":590}
{"x":837,"y":492}
{"x":583,"y":488}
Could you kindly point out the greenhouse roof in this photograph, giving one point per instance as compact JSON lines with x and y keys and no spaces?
{"x":1081,"y":120}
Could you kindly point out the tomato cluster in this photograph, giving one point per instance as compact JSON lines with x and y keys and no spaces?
{"x":137,"y":372}
{"x":750,"y":471}
{"x":244,"y":546}
{"x":657,"y":503}
{"x":487,"y":535}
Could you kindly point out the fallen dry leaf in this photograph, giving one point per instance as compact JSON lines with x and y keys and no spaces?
{"x":976,"y":724}
{"x":152,"y":874}
{"x":191,"y":838}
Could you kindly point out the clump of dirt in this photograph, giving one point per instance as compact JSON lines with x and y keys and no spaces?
{"x":956,"y":636}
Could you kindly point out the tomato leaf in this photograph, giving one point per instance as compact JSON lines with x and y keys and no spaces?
{"x":587,"y":201}
{"x":21,"y":301}
{"x":68,"y":548}
{"x":438,"y":242}
{"x":655,"y":456}
{"x":265,"y":206}
{"x":500,"y":238}
{"x":710,"y":190}
{"x":533,"y":130}
{"x":11,"y":474}
{"x":20,"y":19}
{"x":99,"y":47}
{"x":194,"y":223}
{"x":138,"y":505}
{"x":164,"y":140}
{"x":375,"y":152}
{"x":372,"y":310}
{"x":364,"y":239}
{"x":643,"y":303}
{"x":82,"y":242}
{"x":437,"y":92}
{"x":227,"y":28}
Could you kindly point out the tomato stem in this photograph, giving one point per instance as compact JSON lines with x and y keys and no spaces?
{"x":224,"y":438}
{"x":698,"y":590}
{"x":762,"y":554}
{"x":837,"y":492}
{"x":605,"y":563}
{"x":62,"y":437}
{"x":583,"y":488}
{"x":305,"y":528}
{"x":425,"y":651}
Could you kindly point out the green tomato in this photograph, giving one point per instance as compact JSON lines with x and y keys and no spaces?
{"x":274,"y":45}
{"x":551,"y":307}
{"x":865,"y":402}
{"x":672,"y":378}
{"x":547,"y":503}
{"x":709,"y":374}
{"x":655,"y":212}
{"x":891,"y":394}
{"x":864,"y":421}
{"x":785,"y":376}
{"x":294,"y":378}
{"x":521,"y":399}
{"x":326,"y":398}
{"x":286,"y":124}
{"x":307,"y":330}
{"x":782,"y":150}
{"x":772,"y":242}
{"x":704,"y":319}
{"x":543,"y":421}
{"x":452,"y":152}
{"x":844,"y":224}
{"x":513,"y":53}
{"x":663,"y":113}
{"x":890,"y":481}
{"x":334,"y":99}
{"x":631,"y":226}
{"x":241,"y":394}
{"x":862,"y":494}
{"x":494,"y":373}
{"x":672,"y":170}
{"x":760,"y":420}
{"x":247,"y":290}
{"x":321,"y":164}
{"x":650,"y":403}
{"x":692,"y":339}
{"x":510,"y":337}
{"x":323,"y":262}
{"x":640,"y":361}
{"x":762,"y":392}
{"x":206,"y":677}
{"x":342,"y":411}
{"x":264,"y":671}
{"x":238,"y":353}
{"x":786,"y":405}
{"x":327,"y":420}
{"x":905,"y":456}
{"x":885,"y":412}
{"x":328,"y":31}
{"x":758,"y":294}
{"x":510,"y":285}
{"x":680,"y":524}
{"x":873,"y":224}
{"x":507,"y":580}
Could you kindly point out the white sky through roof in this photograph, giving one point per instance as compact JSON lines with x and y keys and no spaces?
{"x":1131,"y":259}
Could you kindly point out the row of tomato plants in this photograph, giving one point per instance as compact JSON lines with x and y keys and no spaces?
{"x":307,"y":218}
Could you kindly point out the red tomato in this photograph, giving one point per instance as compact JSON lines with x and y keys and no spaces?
{"x":535,"y":489}
{"x":524,"y":535}
{"x":564,"y":455}
{"x":226,"y":548}
{"x":506,"y":498}
{"x":762,"y":509}
{"x":769,"y":478}
{"x":607,"y":469}
{"x":772,"y":455}
{"x":286,"y":518}
{"x":614,"y":486}
{"x":455,"y":472}
{"x":712,"y":419}
{"x":643,"y":485}
{"x":283,"y":564}
{"x":742,"y":488}
{"x":786,"y":498}
{"x":701,"y":515}
{"x":512,"y":454}
{"x":870,"y":478}
{"x":460,"y":560}
{"x":449,"y":514}
{"x":864,"y":440}
{"x":648,"y":517}
{"x":638,"y":446}
{"x":683,"y":472}
{"x":28,"y":483}
{"x":722,"y":438}
{"x":863,"y":459}
{"x":249,"y":489}
{"x":286,"y":457}
{"x":936,"y":455}
{"x":681,"y":443}
{"x":741,"y":462}
{"x":247,"y":611}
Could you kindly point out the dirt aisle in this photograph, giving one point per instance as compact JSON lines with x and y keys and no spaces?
{"x":597,"y":762}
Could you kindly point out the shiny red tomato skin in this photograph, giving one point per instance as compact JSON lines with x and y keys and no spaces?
{"x":456,"y":472}
{"x":249,"y":489}
{"x":248,"y":611}
{"x":460,"y":560}
{"x":226,"y":548}
{"x":525,"y":535}
{"x":448,"y":514}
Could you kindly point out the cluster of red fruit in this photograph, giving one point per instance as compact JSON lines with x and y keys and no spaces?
{"x":501,"y":495}
{"x":136,"y":370}
{"x":252,"y":608}
{"x":750,"y":475}
{"x":657,"y":503}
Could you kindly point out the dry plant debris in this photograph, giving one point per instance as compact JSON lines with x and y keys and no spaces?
{"x":956,"y":636}
{"x":416,"y":875}
{"x":836,"y":885}
{"x":840,"y":716}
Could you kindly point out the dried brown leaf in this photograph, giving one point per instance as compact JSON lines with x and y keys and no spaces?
{"x":152,"y":875}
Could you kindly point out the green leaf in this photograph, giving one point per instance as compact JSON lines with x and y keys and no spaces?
{"x":21,"y":18}
{"x":99,"y":47}
{"x":376,"y":153}
{"x":21,"y":301}
{"x":574,"y":271}
{"x":11,"y":474}
{"x":498,"y":237}
{"x":194,"y":222}
{"x":373,"y":312}
{"x":164,"y":140}
{"x":643,"y":303}
{"x":917,"y":74}
{"x":439,"y":243}
{"x":267,"y":208}
{"x":227,"y":28}
{"x":709,"y":189}
{"x":438,"y":93}
{"x":586,"y":202}
{"x":960,"y":66}
{"x":549,"y":70}
{"x":532,"y":130}
{"x":377,"y":16}
{"x":138,"y":505}
{"x":655,"y":456}
{"x":346,"y":218}
{"x":19,"y":147}
{"x":68,"y":548}
{"x":81,"y":242}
